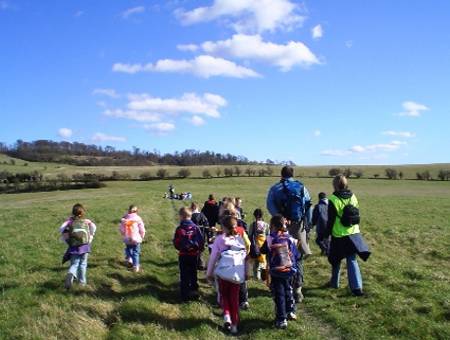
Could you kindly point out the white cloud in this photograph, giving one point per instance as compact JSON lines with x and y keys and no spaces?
{"x":359,"y":149}
{"x":208,"y":104}
{"x":102,"y":137}
{"x":404,"y":134}
{"x":317,"y":133}
{"x":106,"y":92}
{"x":162,"y":128}
{"x":247,"y":15}
{"x":197,"y":121}
{"x":132,"y":11}
{"x":187,"y":47}
{"x":349,"y":43}
{"x":252,"y":47}
{"x":203,"y":66}
{"x":413,"y":109}
{"x":139,"y":116}
{"x":65,"y":133}
{"x":335,"y":152}
{"x":317,"y":32}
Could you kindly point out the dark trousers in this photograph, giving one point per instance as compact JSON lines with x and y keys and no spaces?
{"x":188,"y":276}
{"x":283,"y":297}
{"x":243,"y":293}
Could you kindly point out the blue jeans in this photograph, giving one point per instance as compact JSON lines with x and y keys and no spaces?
{"x":78,"y":267}
{"x":283,"y":297}
{"x":353,"y":273}
{"x":133,"y":252}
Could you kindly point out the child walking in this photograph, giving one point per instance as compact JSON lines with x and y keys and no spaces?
{"x":283,"y":255}
{"x":78,"y":232}
{"x":259,"y":230}
{"x":188,"y":240}
{"x":229,"y":240}
{"x":320,"y":220}
{"x":132,"y":229}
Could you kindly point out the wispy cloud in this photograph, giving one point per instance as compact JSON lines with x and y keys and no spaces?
{"x":103,"y":137}
{"x":360,"y":149}
{"x":162,"y":128}
{"x":187,"y":47}
{"x":139,"y":116}
{"x":65,"y":133}
{"x":317,"y":32}
{"x":203,"y":66}
{"x":404,"y":134}
{"x":413,"y":109}
{"x":132,"y":11}
{"x":250,"y":16}
{"x":106,"y":92}
{"x":197,"y":121}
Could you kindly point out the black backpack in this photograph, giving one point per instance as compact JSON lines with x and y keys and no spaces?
{"x":350,"y":215}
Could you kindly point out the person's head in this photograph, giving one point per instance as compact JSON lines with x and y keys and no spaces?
{"x":185,"y":214}
{"x":322,"y":195}
{"x":194,"y":206}
{"x":287,"y":171}
{"x":78,"y":211}
{"x":340,"y":183}
{"x":238,"y":201}
{"x":277,"y":223}
{"x":132,"y":209}
{"x":258,"y":214}
{"x":211,"y":197}
{"x":227,"y":207}
{"x":229,"y":224}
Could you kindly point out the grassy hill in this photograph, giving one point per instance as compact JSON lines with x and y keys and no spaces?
{"x":407,"y":280}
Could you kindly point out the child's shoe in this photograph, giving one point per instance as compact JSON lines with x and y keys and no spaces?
{"x":227,"y":322}
{"x":128,"y":263}
{"x":357,"y":292}
{"x":244,"y":305}
{"x":136,"y":269}
{"x":292,"y":316}
{"x":234,"y":330}
{"x":281,"y":324}
{"x":68,"y":281}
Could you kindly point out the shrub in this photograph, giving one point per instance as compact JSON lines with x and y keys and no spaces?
{"x":376,"y":175}
{"x":218,"y":172}
{"x":425,"y":175}
{"x":444,"y":175}
{"x":269,"y":171}
{"x":391,"y":173}
{"x":261,"y":172}
{"x":358,"y":173}
{"x":248,"y":171}
{"x":184,"y":173}
{"x":206,"y":173}
{"x":334,"y":172}
{"x":228,"y":172}
{"x":401,"y":175}
{"x":348,"y":172}
{"x":145,"y":176}
{"x":237,"y":171}
{"x":162,"y":173}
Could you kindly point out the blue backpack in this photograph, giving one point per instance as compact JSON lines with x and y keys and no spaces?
{"x":282,"y":260}
{"x":190,"y":238}
{"x":293,"y":206}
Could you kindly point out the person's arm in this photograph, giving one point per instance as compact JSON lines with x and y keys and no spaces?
{"x":215,"y":253}
{"x":247,"y":243}
{"x":331,"y":218}
{"x":201,"y":239}
{"x":264,"y":248}
{"x":141,"y":226}
{"x":308,"y":205}
{"x":271,"y":204}
{"x":63,"y":231}
{"x":315,"y":215}
{"x":176,"y":239}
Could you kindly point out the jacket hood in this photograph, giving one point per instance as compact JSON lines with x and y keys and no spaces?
{"x":186,"y":223}
{"x":344,"y":194}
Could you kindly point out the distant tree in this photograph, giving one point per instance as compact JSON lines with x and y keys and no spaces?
{"x":248,"y":171}
{"x":391,"y":173}
{"x":218,"y":172}
{"x":376,"y":175}
{"x":269,"y":171}
{"x":426,"y":175}
{"x":184,"y":173}
{"x":358,"y":173}
{"x":162,"y":173}
{"x":228,"y":172}
{"x":206,"y":173}
{"x":348,"y":172}
{"x":261,"y":172}
{"x":145,"y":176}
{"x":444,"y":175}
{"x":237,"y":171}
{"x":400,"y":175}
{"x":116,"y":175}
{"x":334,"y":172}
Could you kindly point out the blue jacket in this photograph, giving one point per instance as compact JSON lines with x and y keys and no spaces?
{"x":277,"y":196}
{"x":320,"y":217}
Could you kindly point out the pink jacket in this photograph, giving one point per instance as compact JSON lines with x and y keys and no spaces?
{"x":132,"y":229}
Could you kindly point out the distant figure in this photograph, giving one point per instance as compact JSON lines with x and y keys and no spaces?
{"x":211,"y":210}
{"x":188,"y":240}
{"x":291,"y":199}
{"x":239,"y":208}
{"x":320,"y":220}
{"x":78,"y":232}
{"x":132,"y":229}
{"x":171,"y":191}
{"x":259,"y":230}
{"x":346,"y":239}
{"x":202,"y":222}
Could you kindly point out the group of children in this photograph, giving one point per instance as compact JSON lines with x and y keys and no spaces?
{"x":234,"y":249}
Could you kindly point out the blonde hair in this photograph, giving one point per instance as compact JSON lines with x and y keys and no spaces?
{"x":185,"y":213}
{"x":227,"y":208}
{"x":340,"y":183}
{"x":132,"y":209}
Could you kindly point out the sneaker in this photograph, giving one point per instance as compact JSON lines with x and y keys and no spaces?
{"x":357,"y":292}
{"x":292,"y":316}
{"x":281,"y":324}
{"x":234,"y":330}
{"x":244,"y":305}
{"x":69,"y":281}
{"x":136,"y":269}
{"x":227,"y":322}
{"x":128,"y":263}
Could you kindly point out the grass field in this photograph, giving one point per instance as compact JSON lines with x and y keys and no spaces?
{"x":407,"y":280}
{"x":51,"y":170}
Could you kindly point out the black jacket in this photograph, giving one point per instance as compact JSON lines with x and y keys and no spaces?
{"x":320,"y":217}
{"x":200,"y":219}
{"x":211,"y":211}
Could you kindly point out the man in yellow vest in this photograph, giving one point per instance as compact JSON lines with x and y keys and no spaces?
{"x":346,"y":239}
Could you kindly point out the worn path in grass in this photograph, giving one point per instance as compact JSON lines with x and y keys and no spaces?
{"x":407,"y":279}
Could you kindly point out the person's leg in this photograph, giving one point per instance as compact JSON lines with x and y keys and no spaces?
{"x":354,"y":274}
{"x":82,"y":268}
{"x":234,"y":290}
{"x":225,"y":301}
{"x":335,"y":275}
{"x":297,"y":281}
{"x":73,"y":271}
{"x":184,"y":278}
{"x":289,"y":296}
{"x":193,"y":284}
{"x":279,"y":299}
{"x":243,"y":295}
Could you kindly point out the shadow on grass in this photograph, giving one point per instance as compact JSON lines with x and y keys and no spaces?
{"x":254,"y":292}
{"x":161,"y":264}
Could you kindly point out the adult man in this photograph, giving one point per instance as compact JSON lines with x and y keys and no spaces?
{"x":291,"y":199}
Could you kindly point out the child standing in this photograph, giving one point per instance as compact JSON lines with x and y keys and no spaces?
{"x":78,"y":232}
{"x":188,"y":240}
{"x":283,"y":255}
{"x":202,"y":222}
{"x":320,"y":220}
{"x":259,"y":230}
{"x":229,"y":291}
{"x":132,"y":229}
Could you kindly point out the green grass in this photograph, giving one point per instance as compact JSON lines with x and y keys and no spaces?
{"x":407,"y":280}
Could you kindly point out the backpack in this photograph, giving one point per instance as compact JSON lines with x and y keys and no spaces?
{"x":79,"y":232}
{"x":189,"y":238}
{"x":281,"y":258}
{"x":293,"y":207}
{"x":231,"y":264}
{"x":131,"y":229}
{"x":350,"y":215}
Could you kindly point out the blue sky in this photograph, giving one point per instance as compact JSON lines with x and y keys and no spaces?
{"x":315,"y":82}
